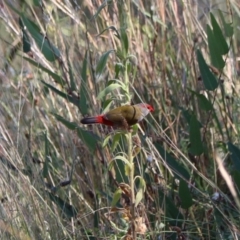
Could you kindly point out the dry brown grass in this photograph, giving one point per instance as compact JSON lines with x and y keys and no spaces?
{"x":52,"y":185}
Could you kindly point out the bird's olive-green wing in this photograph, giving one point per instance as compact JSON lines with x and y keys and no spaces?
{"x":124,"y":113}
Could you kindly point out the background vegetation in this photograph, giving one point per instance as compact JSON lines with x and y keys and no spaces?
{"x":62,"y":60}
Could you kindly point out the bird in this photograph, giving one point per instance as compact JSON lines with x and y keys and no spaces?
{"x":121,"y":117}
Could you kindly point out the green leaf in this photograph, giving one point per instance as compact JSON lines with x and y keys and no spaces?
{"x":67,"y":209}
{"x":218,"y":35}
{"x":88,"y":138}
{"x":56,"y":77}
{"x":218,"y":123}
{"x":103,"y":5}
{"x":124,"y":38}
{"x":83,"y":93}
{"x":171,"y":211}
{"x":122,"y":158}
{"x":235,"y":155}
{"x":105,"y":141}
{"x":124,"y":41}
{"x":37,"y":3}
{"x":25,"y":38}
{"x":96,"y":212}
{"x":185,"y":195}
{"x":195,"y":137}
{"x":26,"y":42}
{"x":102,"y":62}
{"x":116,"y":196}
{"x":71,"y":77}
{"x":119,"y":67}
{"x":50,"y":52}
{"x":228,"y":28}
{"x":135,"y":129}
{"x":179,"y":171}
{"x":140,"y":192}
{"x":68,"y":97}
{"x":188,"y":115}
{"x":116,"y":139}
{"x":119,"y":167}
{"x":139,"y":196}
{"x":209,"y":80}
{"x":216,"y":57}
{"x":204,"y":103}
{"x":69,"y":125}
{"x":107,"y":104}
{"x":107,"y":90}
{"x":111,"y":28}
{"x":236,"y":176}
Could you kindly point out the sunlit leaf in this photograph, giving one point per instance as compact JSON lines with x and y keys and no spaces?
{"x":105,"y":141}
{"x":116,"y":196}
{"x":122,"y":158}
{"x":139,"y":196}
{"x":140,"y":191}
{"x":127,"y":170}
{"x":108,"y":90}
{"x":116,"y":139}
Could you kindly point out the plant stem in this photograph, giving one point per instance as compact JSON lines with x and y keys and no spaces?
{"x":131,"y":182}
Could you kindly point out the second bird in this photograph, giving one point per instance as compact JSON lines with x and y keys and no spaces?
{"x":123,"y":116}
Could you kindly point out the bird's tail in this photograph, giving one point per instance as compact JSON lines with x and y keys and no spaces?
{"x":92,"y":120}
